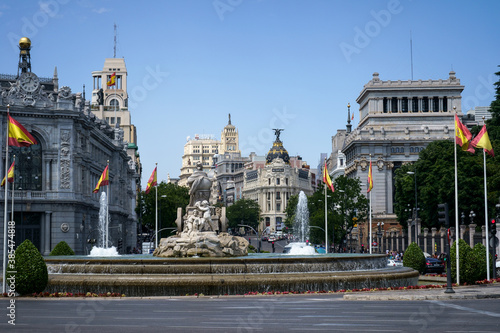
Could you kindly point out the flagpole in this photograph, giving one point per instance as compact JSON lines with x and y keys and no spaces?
{"x":13,"y":188}
{"x":156,"y":217}
{"x":4,"y":254}
{"x":456,"y":204}
{"x":107,"y":209}
{"x":371,"y":207}
{"x":326,"y":221}
{"x":486,"y":219}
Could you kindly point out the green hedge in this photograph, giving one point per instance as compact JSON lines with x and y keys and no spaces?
{"x":472,"y":262}
{"x":31,"y":271}
{"x":414,"y":258}
{"x":62,"y":249}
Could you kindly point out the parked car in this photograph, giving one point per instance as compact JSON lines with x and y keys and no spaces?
{"x":264,"y":237}
{"x":433,"y":265}
{"x":394,"y":263}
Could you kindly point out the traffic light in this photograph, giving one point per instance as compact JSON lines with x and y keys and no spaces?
{"x":493,"y":227}
{"x":443,"y":215}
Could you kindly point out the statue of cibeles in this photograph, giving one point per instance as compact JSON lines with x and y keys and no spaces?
{"x":200,"y":185}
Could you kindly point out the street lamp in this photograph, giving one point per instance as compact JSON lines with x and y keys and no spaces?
{"x":416,"y":203}
{"x":258,"y":235}
{"x":472,"y":215}
{"x":379,"y":234}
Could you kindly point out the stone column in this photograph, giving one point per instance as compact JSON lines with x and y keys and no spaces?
{"x":392,"y":241}
{"x":442,"y":233}
{"x":402,"y":241}
{"x":462,"y":231}
{"x":472,"y":231}
{"x":433,"y":235}
{"x":409,"y":231}
{"x":426,"y":233}
{"x":46,"y":227}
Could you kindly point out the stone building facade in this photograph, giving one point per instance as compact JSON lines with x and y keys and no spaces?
{"x":54,"y":179}
{"x":398,"y":119}
{"x":272,"y":182}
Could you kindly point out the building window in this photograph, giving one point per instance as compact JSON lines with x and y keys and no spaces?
{"x":341,"y":162}
{"x":404,"y":105}
{"x":114,"y":102}
{"x":384,"y":103}
{"x":268,"y":195}
{"x":445,"y":104}
{"x":277,"y":181}
{"x":394,"y":106}
{"x":414,"y":106}
{"x":269,"y":181}
{"x":278,"y":195}
{"x":286,"y":181}
{"x":435,"y":104}
{"x":28,"y":173}
{"x":425,"y":104}
{"x":278,"y":207}
{"x":268,"y":222}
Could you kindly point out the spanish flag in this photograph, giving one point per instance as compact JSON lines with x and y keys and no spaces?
{"x":326,"y":178}
{"x":10,"y":175}
{"x":482,"y":140}
{"x":462,"y":136}
{"x":18,"y":135}
{"x":112,"y":80}
{"x":151,"y":182}
{"x":370,"y":178}
{"x":104,"y":180}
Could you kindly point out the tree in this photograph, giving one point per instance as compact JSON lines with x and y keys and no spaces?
{"x":436,"y":184}
{"x":170,"y":197}
{"x":244,"y":211}
{"x":343,"y":205}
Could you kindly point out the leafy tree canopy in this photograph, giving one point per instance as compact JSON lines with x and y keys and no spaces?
{"x":244,"y":211}
{"x":170,"y":197}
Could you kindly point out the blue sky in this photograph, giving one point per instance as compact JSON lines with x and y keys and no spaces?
{"x":292,"y":64}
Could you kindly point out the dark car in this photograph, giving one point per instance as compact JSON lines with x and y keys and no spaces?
{"x":433,"y":265}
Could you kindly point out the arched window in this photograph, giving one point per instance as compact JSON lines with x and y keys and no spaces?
{"x":114,"y":102}
{"x":28,"y":167}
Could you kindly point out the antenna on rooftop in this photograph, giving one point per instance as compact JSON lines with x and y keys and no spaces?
{"x":411,"y":56}
{"x":114,"y":47}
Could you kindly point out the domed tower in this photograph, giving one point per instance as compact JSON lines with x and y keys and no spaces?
{"x":277,"y":150}
{"x":24,"y":56}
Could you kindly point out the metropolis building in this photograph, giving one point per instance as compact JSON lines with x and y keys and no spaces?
{"x":398,"y":119}
{"x":54,"y":179}
{"x":271,"y":183}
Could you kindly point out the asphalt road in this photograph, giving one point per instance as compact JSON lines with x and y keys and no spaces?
{"x":288,"y":313}
{"x":267,"y":246}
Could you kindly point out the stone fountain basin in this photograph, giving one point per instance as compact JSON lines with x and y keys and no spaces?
{"x":146,"y":276}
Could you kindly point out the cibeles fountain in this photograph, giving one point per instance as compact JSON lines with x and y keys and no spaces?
{"x":202,"y":231}
{"x":202,"y":258}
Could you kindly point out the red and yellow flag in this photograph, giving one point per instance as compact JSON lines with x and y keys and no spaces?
{"x":370,"y":178}
{"x":326,"y":178}
{"x":18,"y":135}
{"x":151,"y":182}
{"x":482,"y":140}
{"x":112,"y":80}
{"x":463,"y":136}
{"x":104,"y":180}
{"x":10,"y":175}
